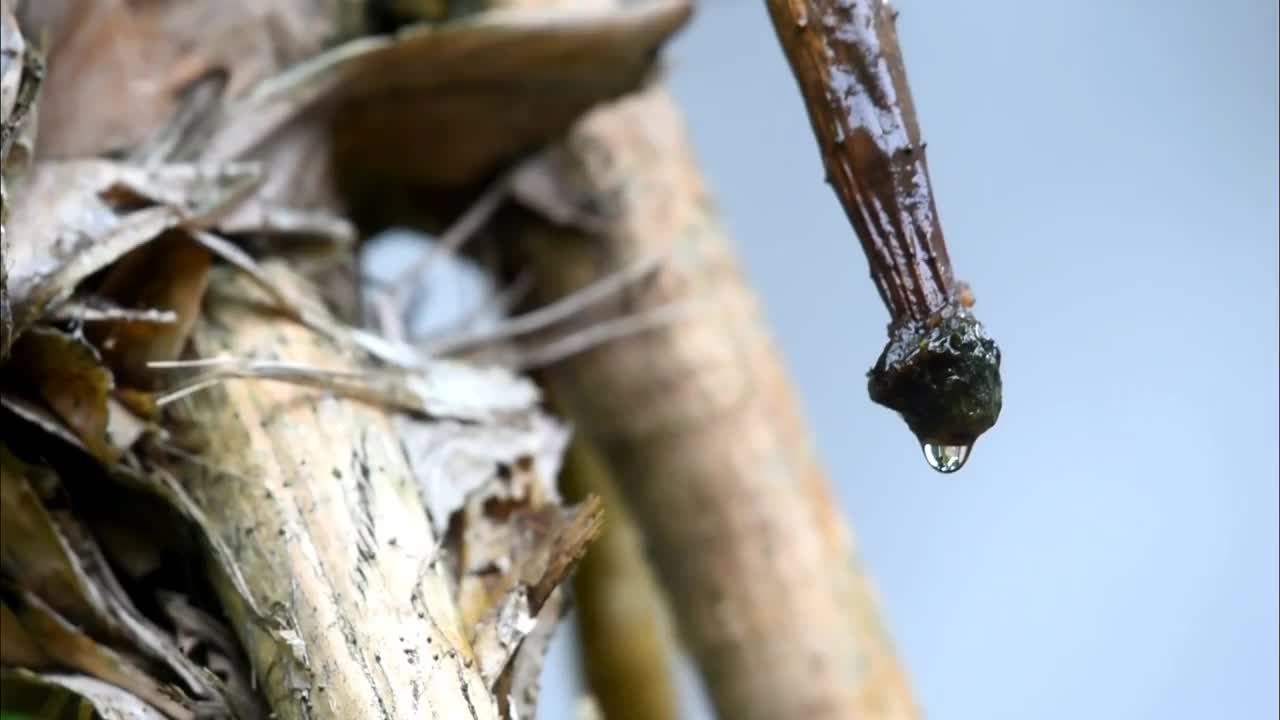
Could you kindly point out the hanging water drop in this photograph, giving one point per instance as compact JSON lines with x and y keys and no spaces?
{"x":945,"y":458}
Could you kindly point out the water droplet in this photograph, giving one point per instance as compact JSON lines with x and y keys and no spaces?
{"x":945,"y":458}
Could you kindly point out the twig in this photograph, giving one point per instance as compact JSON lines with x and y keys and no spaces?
{"x":550,"y":314}
{"x":366,"y":386}
{"x":594,"y":336}
{"x":940,"y":369}
{"x":385,"y":349}
{"x":453,"y":238}
{"x":845,"y":57}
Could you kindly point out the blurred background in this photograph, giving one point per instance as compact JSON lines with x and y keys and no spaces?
{"x":1107,"y":179}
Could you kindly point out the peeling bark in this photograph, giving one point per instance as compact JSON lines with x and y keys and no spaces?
{"x":350,"y":615}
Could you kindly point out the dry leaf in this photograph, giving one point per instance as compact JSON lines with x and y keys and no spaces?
{"x":13,"y":48}
{"x":69,"y":375}
{"x":493,"y":488}
{"x":58,"y":696}
{"x":51,"y":556}
{"x":21,"y":79}
{"x":68,"y":646}
{"x":202,"y":635}
{"x":169,"y":274}
{"x":131,"y":63}
{"x":501,"y":632}
{"x":40,"y":417}
{"x":454,"y":461}
{"x":35,"y":554}
{"x":18,"y":649}
{"x":527,"y":558}
{"x":21,"y":74}
{"x":446,"y":105}
{"x":124,"y":428}
{"x":517,"y":687}
{"x":75,"y":218}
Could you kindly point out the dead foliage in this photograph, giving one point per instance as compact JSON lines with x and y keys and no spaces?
{"x":222,"y":496}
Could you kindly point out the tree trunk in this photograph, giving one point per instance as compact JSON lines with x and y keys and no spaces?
{"x":700,"y":425}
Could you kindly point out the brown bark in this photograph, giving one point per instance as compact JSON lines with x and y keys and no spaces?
{"x":846,"y":59}
{"x":940,"y":370}
{"x":701,"y":426}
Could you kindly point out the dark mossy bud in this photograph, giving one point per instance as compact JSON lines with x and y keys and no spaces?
{"x":942,"y":376}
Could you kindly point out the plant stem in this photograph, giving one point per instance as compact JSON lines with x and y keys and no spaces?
{"x":939,"y":370}
{"x":846,"y":59}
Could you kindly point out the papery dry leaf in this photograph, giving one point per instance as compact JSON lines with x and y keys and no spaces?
{"x":201,"y":634}
{"x":494,"y":487}
{"x":521,"y":546}
{"x":501,"y":632}
{"x":260,"y":218}
{"x":21,"y":79}
{"x":21,"y":75}
{"x":72,"y":379}
{"x":95,"y":98}
{"x":18,"y":649}
{"x":118,"y":69}
{"x":58,"y":696}
{"x":435,"y":388}
{"x":453,"y":462}
{"x":169,"y":274}
{"x":449,"y":105}
{"x":12,"y":49}
{"x":53,"y":557}
{"x":40,"y":417}
{"x":75,"y":218}
{"x":517,"y":686}
{"x":68,"y":646}
{"x":34,"y":553}
{"x":542,"y":547}
{"x":311,"y":313}
{"x":69,"y":375}
{"x":446,"y":105}
{"x":137,"y":633}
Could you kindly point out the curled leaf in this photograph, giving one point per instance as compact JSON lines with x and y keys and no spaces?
{"x":54,"y":558}
{"x":135,"y":62}
{"x":68,"y":646}
{"x":40,"y":417}
{"x":21,"y":78}
{"x":169,"y":274}
{"x":434,"y":104}
{"x":35,"y":552}
{"x":75,"y":218}
{"x":13,"y":48}
{"x":69,"y":375}
{"x":59,"y":696}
